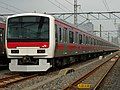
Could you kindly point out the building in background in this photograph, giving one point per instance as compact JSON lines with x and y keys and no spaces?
{"x":87,"y":27}
{"x":116,"y":39}
{"x":118,"y":34}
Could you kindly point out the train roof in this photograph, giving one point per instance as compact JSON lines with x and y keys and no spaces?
{"x":29,"y":14}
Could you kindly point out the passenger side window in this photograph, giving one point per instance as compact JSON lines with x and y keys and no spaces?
{"x":65,"y":34}
{"x":56,"y":33}
{"x":80,"y":39}
{"x":84,"y":39}
{"x":71,"y":37}
{"x":60,"y":34}
{"x":76,"y":37}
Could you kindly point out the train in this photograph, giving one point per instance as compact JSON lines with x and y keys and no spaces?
{"x":36,"y":42}
{"x":3,"y":57}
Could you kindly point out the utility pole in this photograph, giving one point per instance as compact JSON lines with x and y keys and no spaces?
{"x":75,"y":11}
{"x":112,"y":38}
{"x":100,"y":30}
{"x":108,"y":36}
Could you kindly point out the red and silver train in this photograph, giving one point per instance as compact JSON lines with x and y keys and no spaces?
{"x":3,"y":59}
{"x":37,"y":42}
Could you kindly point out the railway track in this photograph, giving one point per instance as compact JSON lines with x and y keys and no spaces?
{"x":105,"y":75}
{"x":41,"y":79}
{"x":16,"y":78}
{"x":92,"y":79}
{"x":4,"y":82}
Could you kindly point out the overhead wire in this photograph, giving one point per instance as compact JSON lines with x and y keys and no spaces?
{"x":73,"y":4}
{"x":62,"y":5}
{"x":79,"y":9}
{"x":12,"y":6}
{"x":108,"y":9}
{"x":56,"y":5}
{"x":106,"y":5}
{"x":69,"y":2}
{"x":8,"y":9}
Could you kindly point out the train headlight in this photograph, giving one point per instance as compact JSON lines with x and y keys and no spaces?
{"x":14,"y":51}
{"x":40,"y":51}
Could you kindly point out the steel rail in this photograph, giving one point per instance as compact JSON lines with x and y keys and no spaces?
{"x":13,"y":79}
{"x":75,"y":83}
{"x":101,"y":80}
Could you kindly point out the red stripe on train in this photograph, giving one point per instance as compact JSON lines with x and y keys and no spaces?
{"x":27,"y":44}
{"x":2,"y":25}
{"x":60,"y":46}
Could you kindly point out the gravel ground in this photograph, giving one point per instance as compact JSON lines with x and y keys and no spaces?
{"x":4,"y":73}
{"x":112,"y":81}
{"x":29,"y":82}
{"x":40,"y":78}
{"x":97,"y":75}
{"x":57,"y":83}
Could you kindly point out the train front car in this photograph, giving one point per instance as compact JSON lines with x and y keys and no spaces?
{"x":30,"y":42}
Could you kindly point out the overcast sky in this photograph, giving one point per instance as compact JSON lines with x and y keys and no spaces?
{"x":20,"y":6}
{"x":47,"y":6}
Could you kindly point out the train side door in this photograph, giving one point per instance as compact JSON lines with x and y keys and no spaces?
{"x":1,"y":40}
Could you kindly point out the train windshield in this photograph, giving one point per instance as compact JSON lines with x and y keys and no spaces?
{"x":28,"y":28}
